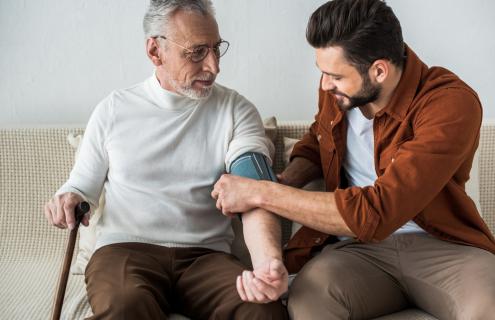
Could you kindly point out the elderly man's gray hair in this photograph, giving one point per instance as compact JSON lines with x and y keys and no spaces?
{"x":156,"y":19}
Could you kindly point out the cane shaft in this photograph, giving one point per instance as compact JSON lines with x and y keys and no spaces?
{"x":64,"y":275}
{"x":80,"y":210}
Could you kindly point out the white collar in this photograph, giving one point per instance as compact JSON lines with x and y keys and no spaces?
{"x":167,"y":99}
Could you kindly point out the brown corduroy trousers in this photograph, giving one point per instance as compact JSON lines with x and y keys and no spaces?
{"x":144,"y":281}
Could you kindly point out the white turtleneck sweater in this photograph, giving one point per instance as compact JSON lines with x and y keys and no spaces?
{"x":158,"y":155}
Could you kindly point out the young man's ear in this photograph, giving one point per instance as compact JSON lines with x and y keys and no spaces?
{"x":380,"y":70}
{"x":153,"y":51}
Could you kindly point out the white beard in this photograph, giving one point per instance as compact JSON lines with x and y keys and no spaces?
{"x":189,"y":92}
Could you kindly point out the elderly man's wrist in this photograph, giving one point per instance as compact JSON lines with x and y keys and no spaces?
{"x":266,"y":258}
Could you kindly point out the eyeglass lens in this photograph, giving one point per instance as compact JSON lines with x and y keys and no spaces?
{"x":199,"y":53}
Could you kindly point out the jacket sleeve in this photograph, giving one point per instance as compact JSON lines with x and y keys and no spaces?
{"x":445,"y":135}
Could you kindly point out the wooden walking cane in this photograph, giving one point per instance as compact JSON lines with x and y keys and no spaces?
{"x":80,"y":210}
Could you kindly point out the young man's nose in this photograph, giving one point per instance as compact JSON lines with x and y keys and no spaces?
{"x":327,"y":83}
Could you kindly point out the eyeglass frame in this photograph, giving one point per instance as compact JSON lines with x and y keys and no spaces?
{"x":190,"y":52}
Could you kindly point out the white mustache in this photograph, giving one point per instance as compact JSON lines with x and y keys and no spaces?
{"x":205,"y":77}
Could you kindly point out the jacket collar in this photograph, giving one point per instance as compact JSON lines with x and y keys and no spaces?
{"x":405,"y":92}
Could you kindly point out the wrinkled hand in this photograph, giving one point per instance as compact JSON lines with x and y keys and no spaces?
{"x":265,"y":284}
{"x":235,"y":194}
{"x":60,"y":210}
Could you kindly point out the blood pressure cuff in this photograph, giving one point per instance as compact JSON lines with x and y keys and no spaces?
{"x":252,"y":165}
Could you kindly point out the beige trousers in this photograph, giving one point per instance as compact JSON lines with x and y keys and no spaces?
{"x":351,"y":280}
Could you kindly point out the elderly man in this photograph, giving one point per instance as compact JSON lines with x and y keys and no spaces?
{"x":394,"y":141}
{"x":157,"y":148}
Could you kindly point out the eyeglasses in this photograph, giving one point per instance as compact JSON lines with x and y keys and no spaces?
{"x":199,"y":53}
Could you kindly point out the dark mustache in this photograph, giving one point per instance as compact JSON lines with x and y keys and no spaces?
{"x":338,"y":92}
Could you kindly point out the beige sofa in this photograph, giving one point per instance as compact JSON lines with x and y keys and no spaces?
{"x":34,"y":162}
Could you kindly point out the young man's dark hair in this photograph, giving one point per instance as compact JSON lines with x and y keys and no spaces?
{"x":367,"y":31}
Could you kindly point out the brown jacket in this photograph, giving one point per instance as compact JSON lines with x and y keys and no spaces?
{"x":425,"y":140}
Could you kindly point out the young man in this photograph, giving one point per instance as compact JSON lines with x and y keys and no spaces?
{"x":394,"y":141}
{"x":157,"y":148}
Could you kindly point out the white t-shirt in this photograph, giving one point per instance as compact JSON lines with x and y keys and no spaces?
{"x":157,"y":155}
{"x":359,"y":162}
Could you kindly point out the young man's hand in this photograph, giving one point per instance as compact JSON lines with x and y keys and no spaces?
{"x":236,"y":194}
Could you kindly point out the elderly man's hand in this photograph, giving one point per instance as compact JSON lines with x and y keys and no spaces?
{"x":60,"y":210}
{"x":236,"y":194}
{"x":265,"y":284}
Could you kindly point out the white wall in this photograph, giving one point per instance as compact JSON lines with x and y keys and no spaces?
{"x":59,"y":58}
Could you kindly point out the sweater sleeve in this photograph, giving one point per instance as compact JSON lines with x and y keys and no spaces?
{"x":248,"y":133}
{"x":90,"y":169}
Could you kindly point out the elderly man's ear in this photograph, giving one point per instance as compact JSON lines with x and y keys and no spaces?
{"x":153,"y":51}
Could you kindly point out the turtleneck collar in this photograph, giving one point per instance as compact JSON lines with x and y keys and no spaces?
{"x":167,"y":99}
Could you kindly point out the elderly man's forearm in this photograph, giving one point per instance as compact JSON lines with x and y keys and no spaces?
{"x":262,"y":235}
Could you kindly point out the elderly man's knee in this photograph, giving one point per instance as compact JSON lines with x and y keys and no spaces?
{"x":126,"y":302}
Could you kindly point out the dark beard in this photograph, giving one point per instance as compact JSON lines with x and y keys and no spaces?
{"x":367,"y":94}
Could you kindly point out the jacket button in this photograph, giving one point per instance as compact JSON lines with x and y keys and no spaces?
{"x":317,"y":240}
{"x":331,"y":123}
{"x":393,"y":159}
{"x":318,"y":137}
